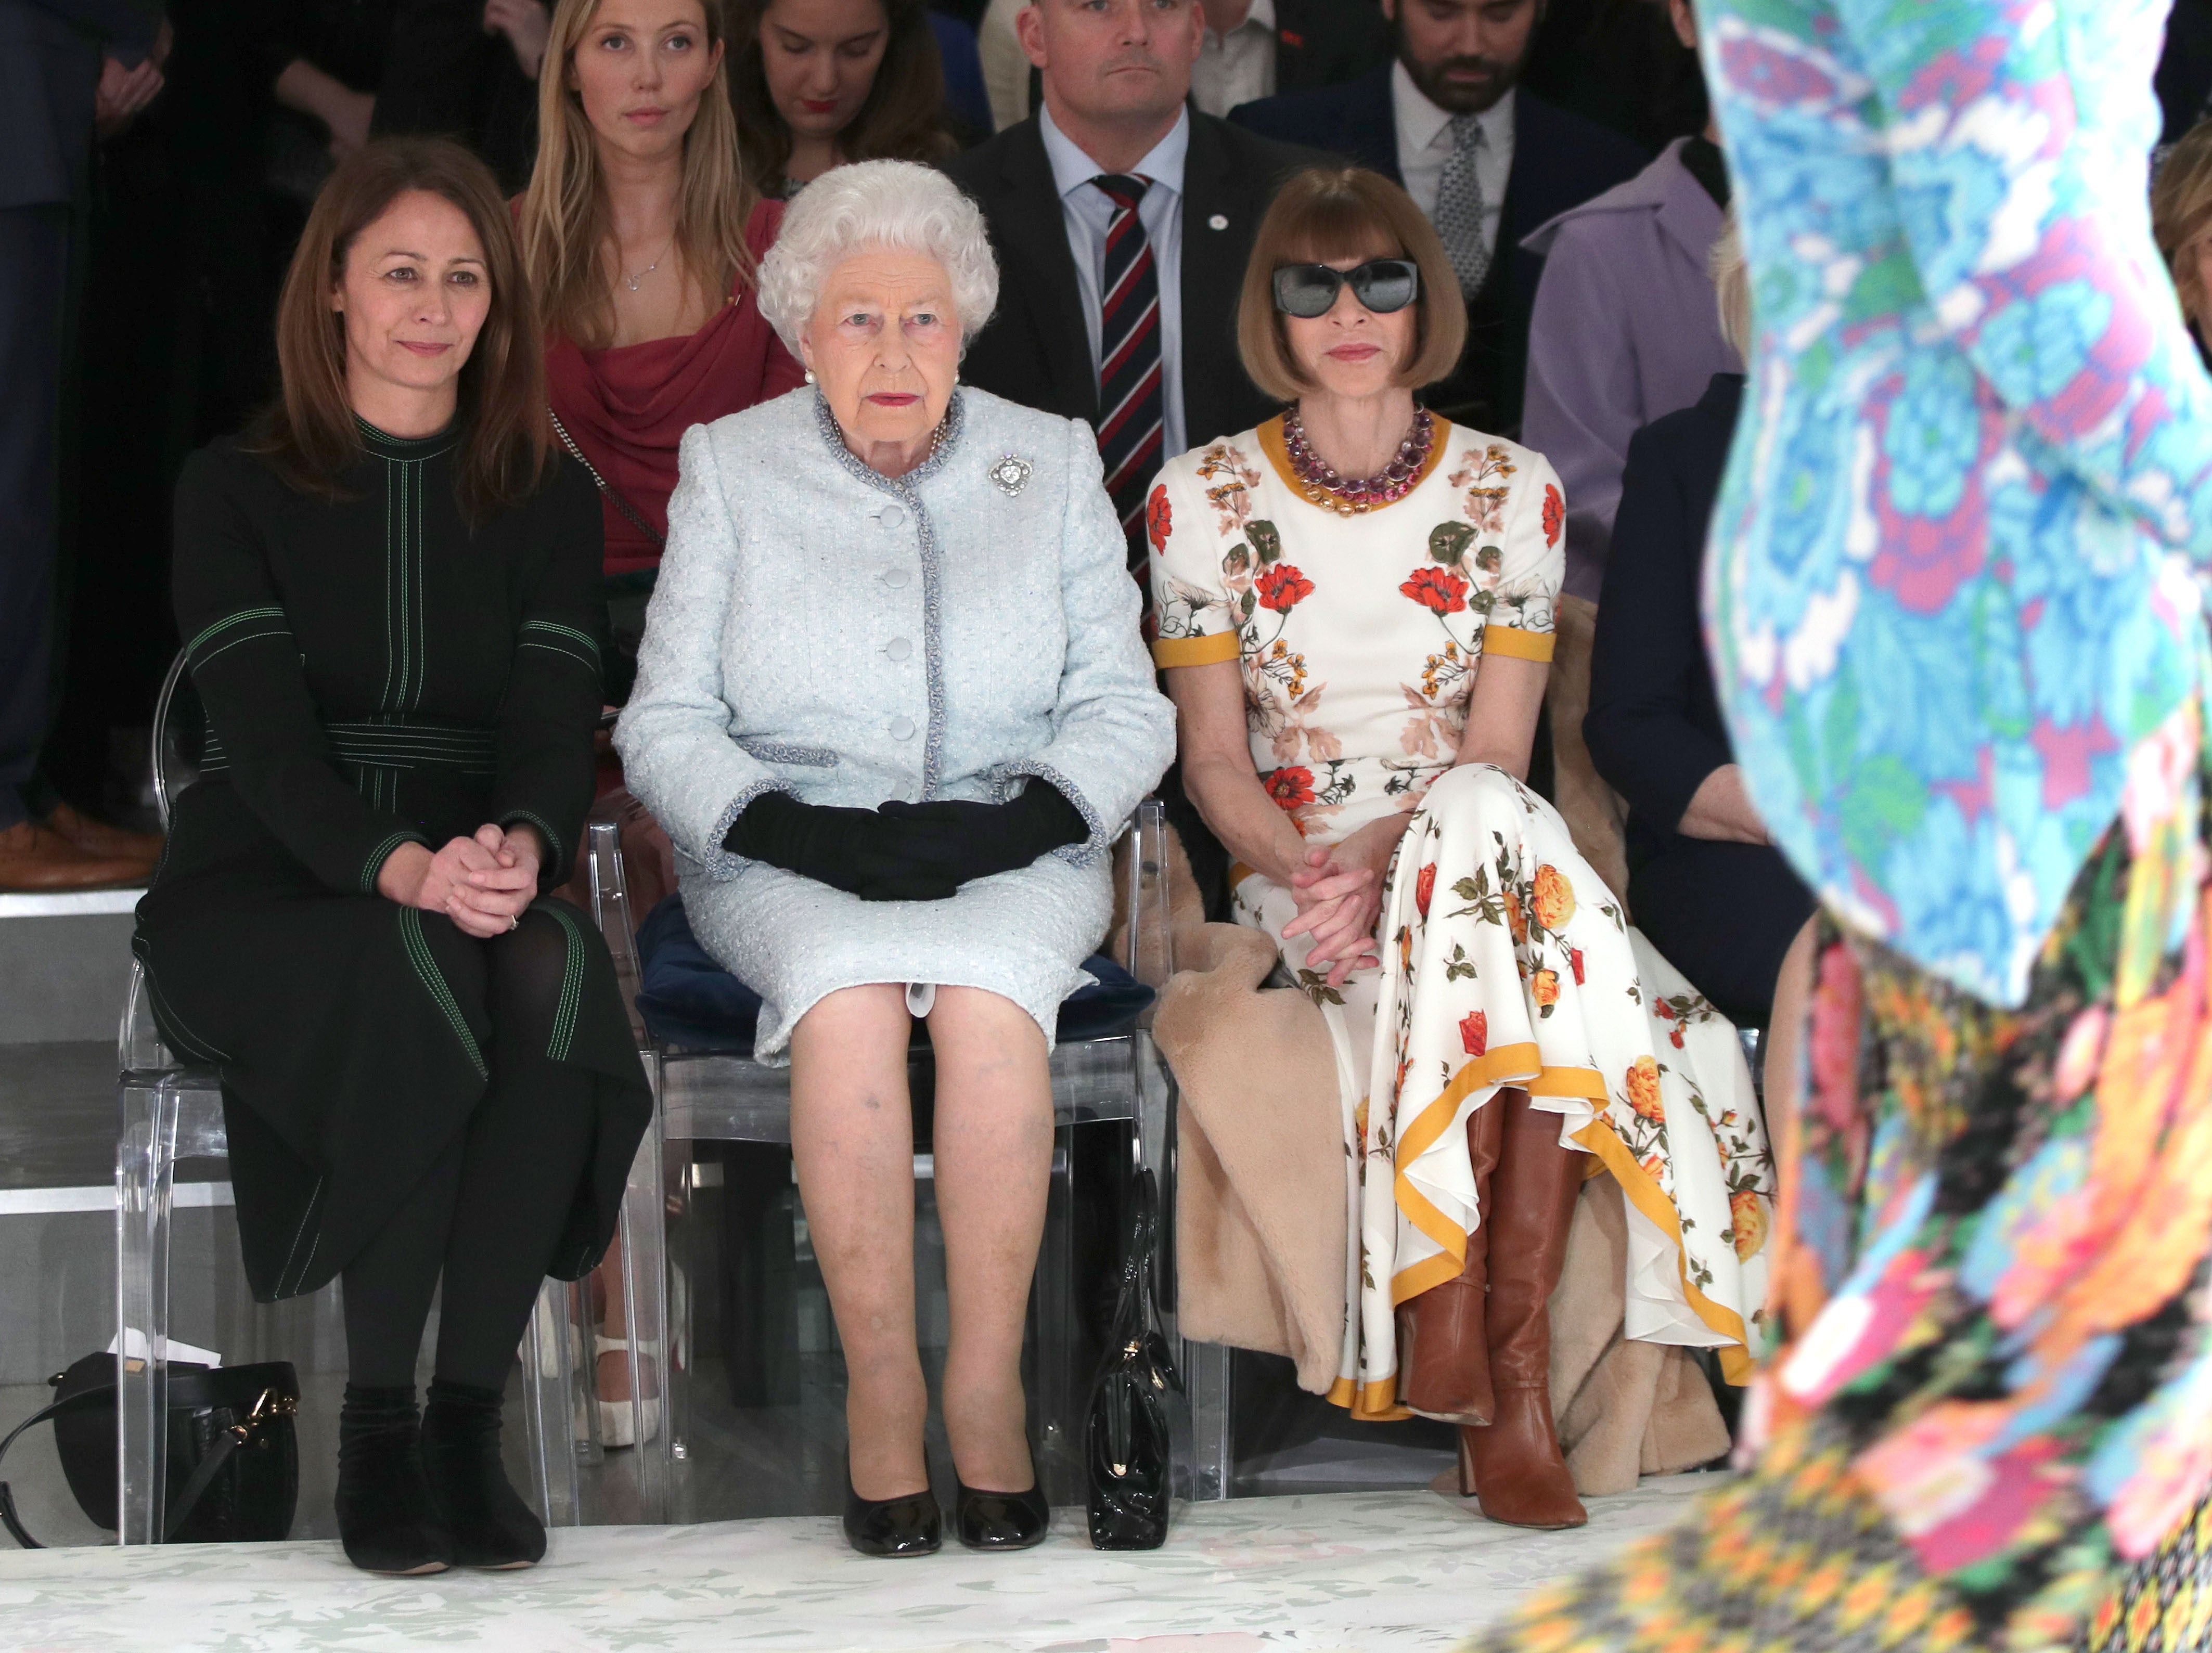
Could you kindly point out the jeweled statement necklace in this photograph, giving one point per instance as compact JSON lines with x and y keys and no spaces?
{"x":1349,"y":495}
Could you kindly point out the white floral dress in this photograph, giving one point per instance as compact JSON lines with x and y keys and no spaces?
{"x":1506,"y":962}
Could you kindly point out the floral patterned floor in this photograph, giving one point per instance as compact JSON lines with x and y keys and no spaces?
{"x":1376,"y":1572}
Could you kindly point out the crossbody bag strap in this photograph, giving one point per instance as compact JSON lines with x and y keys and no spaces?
{"x":629,"y":511}
{"x":82,"y":1400}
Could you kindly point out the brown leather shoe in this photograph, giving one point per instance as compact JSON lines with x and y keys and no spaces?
{"x":35,"y":859}
{"x":103,"y":842}
{"x":1443,"y":1350}
{"x":1514,"y":1467}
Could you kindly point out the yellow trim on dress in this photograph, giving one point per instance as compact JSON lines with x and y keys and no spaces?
{"x":1598,"y":1137}
{"x":1516,"y":644}
{"x":1208,"y":650}
{"x":1369,"y":1403}
{"x":1521,"y":1065}
{"x":1279,"y":455}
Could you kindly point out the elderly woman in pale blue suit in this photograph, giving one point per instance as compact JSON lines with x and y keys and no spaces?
{"x":893,"y":707}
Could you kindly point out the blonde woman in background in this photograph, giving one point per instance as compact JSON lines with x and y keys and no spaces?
{"x":641,"y":236}
{"x":642,"y":239}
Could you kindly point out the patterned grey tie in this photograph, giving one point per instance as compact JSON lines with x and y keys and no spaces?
{"x":1459,"y":206}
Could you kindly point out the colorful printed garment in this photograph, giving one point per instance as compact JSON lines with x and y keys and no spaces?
{"x":1944,"y":611}
{"x":1505,"y":959}
{"x":1995,"y":1231}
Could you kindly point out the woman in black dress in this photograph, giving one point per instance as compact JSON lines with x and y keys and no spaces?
{"x":389,"y":591}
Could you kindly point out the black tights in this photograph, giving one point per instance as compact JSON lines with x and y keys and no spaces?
{"x":489,"y":1211}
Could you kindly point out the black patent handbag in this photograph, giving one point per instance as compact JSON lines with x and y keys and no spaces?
{"x":234,"y":1454}
{"x":1127,"y":1447}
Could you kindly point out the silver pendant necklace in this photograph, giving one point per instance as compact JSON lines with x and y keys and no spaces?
{"x":631,"y":281}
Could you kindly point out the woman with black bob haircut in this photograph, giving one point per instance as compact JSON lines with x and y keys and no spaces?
{"x":389,"y":591}
{"x":821,"y":82}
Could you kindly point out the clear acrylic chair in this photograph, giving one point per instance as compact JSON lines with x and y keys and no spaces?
{"x":169,"y":1110}
{"x":707,"y":1099}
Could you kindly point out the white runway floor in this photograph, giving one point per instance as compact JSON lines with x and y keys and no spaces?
{"x":1378,"y":1572}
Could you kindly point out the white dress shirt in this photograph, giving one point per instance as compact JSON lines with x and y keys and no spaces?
{"x":1088,"y":211}
{"x":1425,"y":143}
{"x":1236,"y":67}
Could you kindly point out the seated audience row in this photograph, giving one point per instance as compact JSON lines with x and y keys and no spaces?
{"x":940,"y":856}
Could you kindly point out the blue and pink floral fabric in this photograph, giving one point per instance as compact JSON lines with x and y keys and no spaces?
{"x":1944,"y":593}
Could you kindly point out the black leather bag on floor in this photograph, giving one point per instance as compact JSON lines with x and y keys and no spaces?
{"x":1127,"y":1449}
{"x":234,"y":1456}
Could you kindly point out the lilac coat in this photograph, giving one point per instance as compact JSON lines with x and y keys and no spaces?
{"x":1626,"y":329}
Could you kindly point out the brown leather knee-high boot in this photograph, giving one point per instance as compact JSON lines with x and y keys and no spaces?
{"x":1514,"y":1467}
{"x":1443,"y":1343}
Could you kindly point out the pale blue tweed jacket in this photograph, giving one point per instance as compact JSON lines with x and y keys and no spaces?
{"x":821,"y":630}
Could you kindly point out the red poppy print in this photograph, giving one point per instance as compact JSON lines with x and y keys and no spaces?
{"x":1437,"y":590}
{"x":1474,"y":1032}
{"x":1424,"y":887}
{"x":1282,"y":588}
{"x":1159,"y":518}
{"x":1555,"y":513}
{"x":1290,"y":786}
{"x":1575,"y":963}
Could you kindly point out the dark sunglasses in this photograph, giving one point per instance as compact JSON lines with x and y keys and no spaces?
{"x":1383,"y":285}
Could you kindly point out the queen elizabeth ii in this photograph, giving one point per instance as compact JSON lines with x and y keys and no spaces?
{"x":892,"y":707}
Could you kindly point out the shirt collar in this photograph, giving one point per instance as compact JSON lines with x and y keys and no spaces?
{"x":1072,"y":169}
{"x":1423,"y":124}
{"x":1261,"y":16}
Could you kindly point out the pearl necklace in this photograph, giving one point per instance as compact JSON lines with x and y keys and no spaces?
{"x":1349,"y":495}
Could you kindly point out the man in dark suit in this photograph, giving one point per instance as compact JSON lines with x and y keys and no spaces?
{"x":1487,"y":161}
{"x":1122,"y":219}
{"x":52,"y":57}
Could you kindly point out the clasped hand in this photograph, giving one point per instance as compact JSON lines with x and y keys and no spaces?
{"x":483,"y":883}
{"x":1340,"y":896}
{"x":902,"y":851}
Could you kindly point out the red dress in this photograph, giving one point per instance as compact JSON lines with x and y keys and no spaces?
{"x":628,"y":407}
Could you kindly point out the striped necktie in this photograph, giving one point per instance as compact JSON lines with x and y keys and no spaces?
{"x":1130,"y":396}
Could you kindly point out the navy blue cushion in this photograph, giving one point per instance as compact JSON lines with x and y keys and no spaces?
{"x":688,"y":1000}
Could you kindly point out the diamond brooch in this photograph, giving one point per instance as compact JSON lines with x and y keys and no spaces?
{"x":1011,"y":473}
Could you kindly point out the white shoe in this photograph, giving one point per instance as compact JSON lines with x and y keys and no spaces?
{"x":544,"y":1324}
{"x":619,"y":1421}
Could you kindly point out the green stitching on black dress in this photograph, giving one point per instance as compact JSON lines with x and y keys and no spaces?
{"x":425,"y":966}
{"x":571,"y":987}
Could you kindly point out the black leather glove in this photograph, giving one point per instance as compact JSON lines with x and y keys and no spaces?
{"x":859,"y":851}
{"x":993,"y":838}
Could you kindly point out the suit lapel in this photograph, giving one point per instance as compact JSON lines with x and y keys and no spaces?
{"x":1529,"y":193}
{"x":1370,"y":129}
{"x":1037,"y":273}
{"x":1221,"y":209}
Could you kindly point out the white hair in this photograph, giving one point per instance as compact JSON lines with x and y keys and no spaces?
{"x":1731,"y":276}
{"x":872,"y":204}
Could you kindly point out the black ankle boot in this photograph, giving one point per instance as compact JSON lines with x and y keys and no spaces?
{"x":387,"y":1520}
{"x":489,"y":1524}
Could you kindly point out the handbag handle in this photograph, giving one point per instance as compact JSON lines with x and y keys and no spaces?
{"x":271,"y":1403}
{"x":631,"y":513}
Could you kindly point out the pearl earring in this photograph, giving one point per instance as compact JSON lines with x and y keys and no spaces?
{"x":810,"y":375}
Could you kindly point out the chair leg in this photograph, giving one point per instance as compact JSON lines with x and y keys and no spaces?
{"x":145,"y":1167}
{"x":552,"y":1400}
